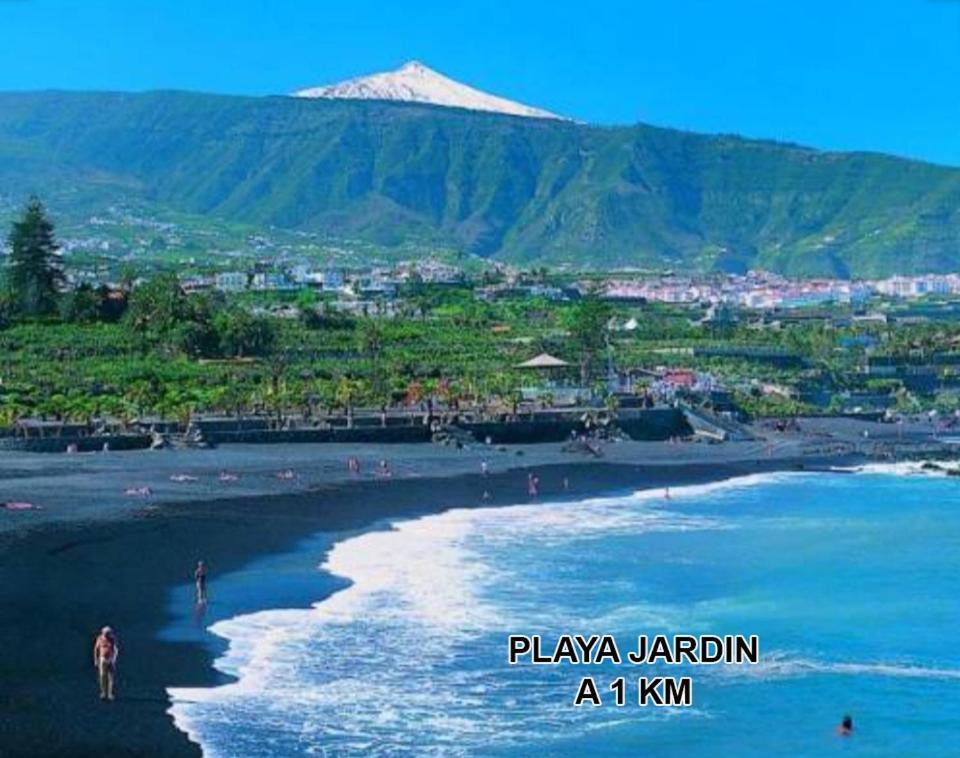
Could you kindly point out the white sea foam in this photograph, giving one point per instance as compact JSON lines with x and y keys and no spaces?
{"x":388,"y":664}
{"x":779,"y":665}
{"x":900,"y":468}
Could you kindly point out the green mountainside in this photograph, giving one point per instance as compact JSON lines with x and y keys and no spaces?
{"x":517,"y":189}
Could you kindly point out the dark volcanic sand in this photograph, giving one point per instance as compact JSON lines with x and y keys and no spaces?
{"x":61,"y":581}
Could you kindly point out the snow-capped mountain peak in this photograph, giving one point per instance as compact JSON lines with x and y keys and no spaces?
{"x":414,"y":82}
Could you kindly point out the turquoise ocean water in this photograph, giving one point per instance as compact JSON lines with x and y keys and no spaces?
{"x":851,"y":581}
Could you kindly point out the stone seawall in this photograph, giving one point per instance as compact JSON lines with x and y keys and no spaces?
{"x":85,"y":444}
{"x":652,"y":424}
{"x":647,"y":424}
{"x":357,"y":435}
{"x":638,"y":424}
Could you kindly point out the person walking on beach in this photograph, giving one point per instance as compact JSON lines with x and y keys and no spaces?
{"x":105,"y":652}
{"x":200,"y":579}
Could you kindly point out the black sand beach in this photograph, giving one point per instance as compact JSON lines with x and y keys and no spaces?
{"x":66,"y":571}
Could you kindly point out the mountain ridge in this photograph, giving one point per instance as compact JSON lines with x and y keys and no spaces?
{"x":416,"y":83}
{"x":513,"y":188}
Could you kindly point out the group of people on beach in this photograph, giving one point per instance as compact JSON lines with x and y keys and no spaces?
{"x":73,"y":448}
{"x":224,"y":477}
{"x":106,"y":648}
{"x":383,"y":470}
{"x":533,"y":483}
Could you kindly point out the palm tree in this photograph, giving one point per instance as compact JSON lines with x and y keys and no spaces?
{"x":370,"y":343}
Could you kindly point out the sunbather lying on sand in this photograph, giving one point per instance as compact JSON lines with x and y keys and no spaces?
{"x":20,"y":506}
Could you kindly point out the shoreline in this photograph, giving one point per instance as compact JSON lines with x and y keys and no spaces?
{"x":63,"y":579}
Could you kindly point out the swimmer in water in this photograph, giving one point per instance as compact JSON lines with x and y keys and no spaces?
{"x":666,"y":493}
{"x":846,"y":727}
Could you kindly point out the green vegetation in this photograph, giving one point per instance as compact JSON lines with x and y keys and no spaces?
{"x":202,"y":326}
{"x":155,"y":349}
{"x":85,"y":368}
{"x":33,"y":272}
{"x":387,"y":176}
{"x":588,"y":330}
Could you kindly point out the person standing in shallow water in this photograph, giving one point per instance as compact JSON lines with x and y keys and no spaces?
{"x":200,"y":578}
{"x":105,"y":652}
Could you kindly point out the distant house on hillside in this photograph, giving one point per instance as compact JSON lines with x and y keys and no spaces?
{"x":374,"y":288}
{"x":332,"y":278}
{"x":231,"y":281}
{"x":196,"y":283}
{"x":680,"y":378}
{"x":271,"y":280}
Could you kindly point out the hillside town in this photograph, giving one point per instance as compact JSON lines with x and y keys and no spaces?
{"x":127,"y":243}
{"x":756,"y":290}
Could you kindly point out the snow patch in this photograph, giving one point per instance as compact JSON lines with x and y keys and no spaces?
{"x":415,"y":83}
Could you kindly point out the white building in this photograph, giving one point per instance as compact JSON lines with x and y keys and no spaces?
{"x":231,"y":281}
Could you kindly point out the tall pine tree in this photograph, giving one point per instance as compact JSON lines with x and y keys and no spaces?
{"x":33,"y":267}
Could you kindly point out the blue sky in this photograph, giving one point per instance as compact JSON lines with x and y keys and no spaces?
{"x":844,"y":74}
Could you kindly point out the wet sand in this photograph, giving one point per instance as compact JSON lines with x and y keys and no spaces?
{"x":93,"y":556}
